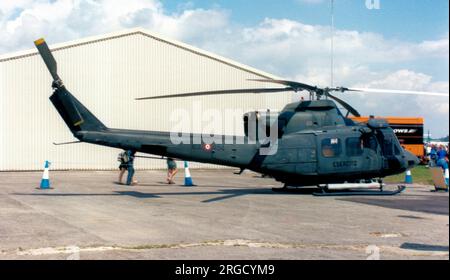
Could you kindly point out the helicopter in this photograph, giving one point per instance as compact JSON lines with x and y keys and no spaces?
{"x":312,"y":143}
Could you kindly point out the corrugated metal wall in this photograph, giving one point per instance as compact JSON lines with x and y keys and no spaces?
{"x":106,"y":76}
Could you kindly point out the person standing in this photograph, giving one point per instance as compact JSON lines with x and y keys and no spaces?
{"x":127,"y":163}
{"x":433,"y":156}
{"x":427,"y":154}
{"x":122,"y":166}
{"x":130,"y":167}
{"x":171,"y":170}
{"x":442,"y":152}
{"x":442,"y":157}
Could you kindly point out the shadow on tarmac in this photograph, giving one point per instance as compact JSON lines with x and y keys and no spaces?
{"x":222,"y":193}
{"x":424,"y":247}
{"x":432,"y":204}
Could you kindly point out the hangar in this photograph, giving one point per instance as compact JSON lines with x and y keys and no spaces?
{"x":107,"y":73}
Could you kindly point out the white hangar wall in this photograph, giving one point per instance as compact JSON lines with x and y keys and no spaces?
{"x":106,"y":73}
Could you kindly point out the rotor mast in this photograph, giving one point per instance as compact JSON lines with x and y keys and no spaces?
{"x":332,"y":45}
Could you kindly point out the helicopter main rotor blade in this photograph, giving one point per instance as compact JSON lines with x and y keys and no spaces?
{"x":294,"y":85}
{"x":220,"y":92}
{"x":347,"y":106}
{"x":409,"y":92}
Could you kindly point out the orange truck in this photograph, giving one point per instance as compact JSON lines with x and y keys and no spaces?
{"x":409,"y":132}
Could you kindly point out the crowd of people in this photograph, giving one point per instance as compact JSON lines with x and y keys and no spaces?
{"x":437,"y":155}
{"x":126,"y":160}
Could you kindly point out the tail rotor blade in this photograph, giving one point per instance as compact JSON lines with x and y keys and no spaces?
{"x":62,"y":99}
{"x":48,"y":58}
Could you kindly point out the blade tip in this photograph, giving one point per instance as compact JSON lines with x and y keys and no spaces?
{"x":39,"y":42}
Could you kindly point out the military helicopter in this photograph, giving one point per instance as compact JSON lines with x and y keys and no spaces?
{"x":316,"y":145}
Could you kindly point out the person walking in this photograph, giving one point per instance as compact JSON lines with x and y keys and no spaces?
{"x":126,"y":160}
{"x":171,"y":170}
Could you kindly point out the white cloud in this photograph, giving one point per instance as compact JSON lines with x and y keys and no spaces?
{"x":435,"y":110}
{"x":302,"y":52}
{"x":283,"y":47}
{"x":299,"y":49}
{"x":60,"y":20}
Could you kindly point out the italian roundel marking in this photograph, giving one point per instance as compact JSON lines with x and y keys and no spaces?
{"x":207,"y":147}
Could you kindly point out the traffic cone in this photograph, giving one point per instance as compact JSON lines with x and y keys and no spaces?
{"x":45,"y":182}
{"x":187,"y":176}
{"x":408,"y":177}
{"x":446,"y":176}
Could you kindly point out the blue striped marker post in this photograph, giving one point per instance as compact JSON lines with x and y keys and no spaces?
{"x":187,"y":176}
{"x":446,"y":177}
{"x":45,"y":182}
{"x":408,"y":177}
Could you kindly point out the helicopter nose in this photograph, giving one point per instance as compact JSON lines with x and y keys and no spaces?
{"x":411,"y":160}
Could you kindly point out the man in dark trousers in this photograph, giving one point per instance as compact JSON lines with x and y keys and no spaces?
{"x":129,"y":161}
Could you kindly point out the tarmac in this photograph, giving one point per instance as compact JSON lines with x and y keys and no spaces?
{"x":86,"y":215}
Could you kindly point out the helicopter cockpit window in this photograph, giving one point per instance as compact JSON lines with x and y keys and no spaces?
{"x":397,"y":150}
{"x":388,"y":147}
{"x":370,"y":142}
{"x":331,"y":147}
{"x":353,"y":146}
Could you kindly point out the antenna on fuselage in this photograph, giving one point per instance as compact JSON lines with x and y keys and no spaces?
{"x":332,"y":45}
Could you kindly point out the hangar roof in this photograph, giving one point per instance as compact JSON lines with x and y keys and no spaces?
{"x":143,"y":32}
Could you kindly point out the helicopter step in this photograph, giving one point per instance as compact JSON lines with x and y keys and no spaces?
{"x":373,"y":188}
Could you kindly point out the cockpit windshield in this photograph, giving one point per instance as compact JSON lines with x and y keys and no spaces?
{"x":389,"y":142}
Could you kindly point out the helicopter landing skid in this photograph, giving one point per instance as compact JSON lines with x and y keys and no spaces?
{"x":350,"y":192}
{"x":341,"y":192}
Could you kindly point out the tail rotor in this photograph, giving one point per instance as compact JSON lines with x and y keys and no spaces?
{"x":76,"y":116}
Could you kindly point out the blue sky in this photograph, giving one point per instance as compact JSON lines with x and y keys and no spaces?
{"x":403,"y":45}
{"x":414,"y":20}
{"x":404,"y":20}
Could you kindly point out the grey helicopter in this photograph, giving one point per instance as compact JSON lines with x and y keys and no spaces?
{"x":316,"y":144}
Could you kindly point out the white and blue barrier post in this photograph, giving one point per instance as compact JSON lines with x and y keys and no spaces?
{"x":187,"y":176}
{"x":45,"y":182}
{"x":408,"y":177}
{"x":446,"y":176}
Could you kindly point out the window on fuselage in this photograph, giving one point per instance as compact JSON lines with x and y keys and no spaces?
{"x":397,"y":150}
{"x":370,"y":142}
{"x":388,"y":147}
{"x":386,"y":142}
{"x":353,"y":146}
{"x":331,"y":147}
